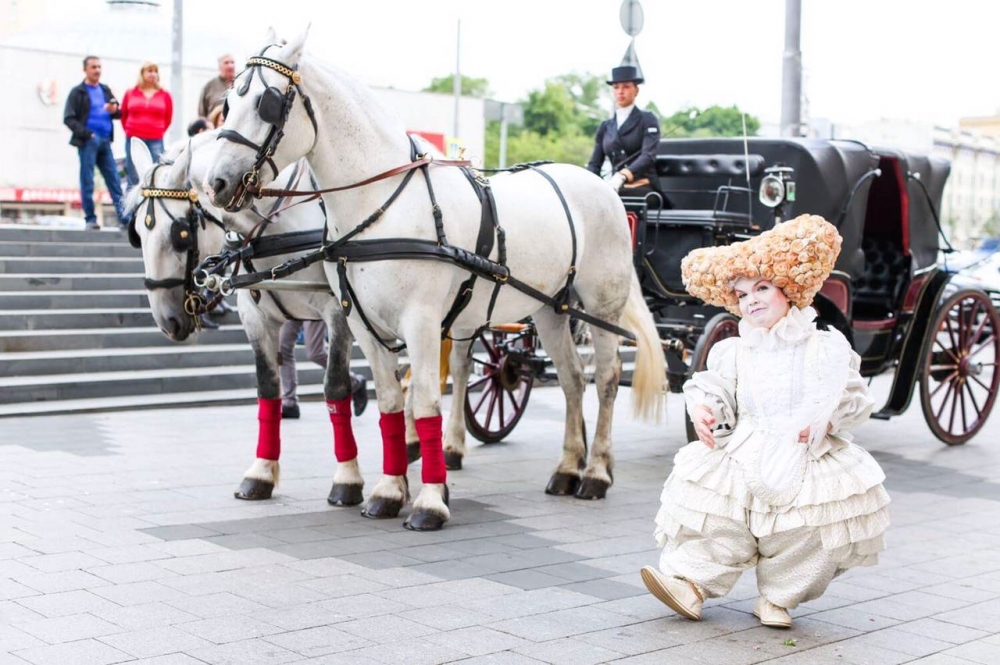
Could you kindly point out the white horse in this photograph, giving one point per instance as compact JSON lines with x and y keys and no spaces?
{"x":162,"y":226}
{"x":286,"y":105}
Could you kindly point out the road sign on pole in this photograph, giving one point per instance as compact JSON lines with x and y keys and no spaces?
{"x":631,"y":17}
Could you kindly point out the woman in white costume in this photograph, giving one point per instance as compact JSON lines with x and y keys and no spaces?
{"x":774,"y":480}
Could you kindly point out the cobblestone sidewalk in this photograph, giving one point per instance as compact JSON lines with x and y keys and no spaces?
{"x":120,"y":542}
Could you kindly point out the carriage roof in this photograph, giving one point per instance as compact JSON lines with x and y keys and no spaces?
{"x":829,"y":177}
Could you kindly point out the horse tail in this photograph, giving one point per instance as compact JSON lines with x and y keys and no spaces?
{"x":650,"y":373}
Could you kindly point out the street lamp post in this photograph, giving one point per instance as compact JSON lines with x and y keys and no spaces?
{"x":791,"y":71}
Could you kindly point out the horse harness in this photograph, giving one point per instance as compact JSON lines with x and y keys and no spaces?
{"x":183,"y":238}
{"x":273,"y":108}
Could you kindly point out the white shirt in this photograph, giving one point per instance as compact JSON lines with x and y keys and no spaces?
{"x":621,"y":115}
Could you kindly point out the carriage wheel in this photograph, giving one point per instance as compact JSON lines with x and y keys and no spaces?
{"x":721,"y":326}
{"x":497,"y":396}
{"x":959,"y":376}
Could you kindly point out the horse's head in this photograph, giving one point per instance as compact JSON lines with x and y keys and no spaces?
{"x":270,"y":123}
{"x":174,"y":231}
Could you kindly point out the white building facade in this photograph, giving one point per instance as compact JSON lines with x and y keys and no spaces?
{"x":41,"y":60}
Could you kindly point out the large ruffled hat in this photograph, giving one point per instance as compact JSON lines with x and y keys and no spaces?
{"x":796,"y":256}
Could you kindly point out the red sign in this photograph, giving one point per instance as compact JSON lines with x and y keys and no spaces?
{"x":48,"y":195}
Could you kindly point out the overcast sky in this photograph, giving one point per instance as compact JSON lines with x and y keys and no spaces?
{"x":863,"y":59}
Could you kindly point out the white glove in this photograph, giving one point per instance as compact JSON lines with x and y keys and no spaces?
{"x":617,"y":180}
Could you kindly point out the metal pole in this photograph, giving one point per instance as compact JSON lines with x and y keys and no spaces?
{"x":791,"y":71}
{"x":177,"y":71}
{"x":457,"y":87}
{"x":503,"y":137}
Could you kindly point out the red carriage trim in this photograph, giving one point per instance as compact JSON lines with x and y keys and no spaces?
{"x":876,"y":325}
{"x":836,"y":291}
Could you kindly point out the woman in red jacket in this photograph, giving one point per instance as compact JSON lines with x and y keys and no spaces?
{"x":147,"y":110}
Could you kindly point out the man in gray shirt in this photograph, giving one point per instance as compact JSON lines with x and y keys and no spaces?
{"x":214,"y":92}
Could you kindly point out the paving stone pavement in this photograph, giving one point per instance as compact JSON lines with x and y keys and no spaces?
{"x":120,"y":541}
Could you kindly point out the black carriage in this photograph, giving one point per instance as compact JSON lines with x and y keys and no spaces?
{"x":900,"y":310}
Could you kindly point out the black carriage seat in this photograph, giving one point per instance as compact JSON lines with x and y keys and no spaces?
{"x":730,"y":166}
{"x":698,"y":186}
{"x":706,"y":188}
{"x":878,"y":291}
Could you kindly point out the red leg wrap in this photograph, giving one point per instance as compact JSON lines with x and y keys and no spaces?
{"x":269,"y":431}
{"x":394,"y":459}
{"x":431,"y":451}
{"x":344,"y":446}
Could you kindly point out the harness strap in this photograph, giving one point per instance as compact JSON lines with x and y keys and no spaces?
{"x":236,"y":137}
{"x":562,"y":298}
{"x":407,"y":248}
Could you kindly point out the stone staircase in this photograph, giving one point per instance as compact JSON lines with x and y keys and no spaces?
{"x":76,"y":333}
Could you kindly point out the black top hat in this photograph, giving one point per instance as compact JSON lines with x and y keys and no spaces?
{"x":625,"y":74}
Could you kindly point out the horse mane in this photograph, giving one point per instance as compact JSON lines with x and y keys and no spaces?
{"x":362,"y":95}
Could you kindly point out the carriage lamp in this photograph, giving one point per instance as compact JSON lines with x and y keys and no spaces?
{"x":772,"y":191}
{"x":777,"y":186}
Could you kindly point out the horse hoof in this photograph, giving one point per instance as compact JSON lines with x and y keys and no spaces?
{"x":452,"y":461}
{"x":345,"y":495}
{"x":379,"y":508}
{"x":413,"y":451}
{"x":592,"y":489}
{"x":254,"y":489}
{"x":424,"y":521}
{"x":563,"y":484}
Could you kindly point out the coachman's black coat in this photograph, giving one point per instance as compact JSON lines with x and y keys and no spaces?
{"x":632,"y":146}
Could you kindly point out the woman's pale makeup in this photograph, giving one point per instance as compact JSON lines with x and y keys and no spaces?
{"x":762,"y":304}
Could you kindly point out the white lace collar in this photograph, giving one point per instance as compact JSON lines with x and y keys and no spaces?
{"x":790,"y":330}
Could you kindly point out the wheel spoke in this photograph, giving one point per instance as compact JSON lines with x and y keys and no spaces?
{"x":500,"y":401}
{"x":947,"y":380}
{"x":987,"y":343}
{"x":951,"y":333}
{"x":986,"y":387}
{"x":489,"y":407}
{"x":944,"y":402}
{"x":938,"y":368}
{"x":972,"y":398}
{"x":478,"y":382}
{"x":979,"y":329}
{"x":950,"y":352}
{"x":961,"y":396}
{"x":961,"y":325}
{"x":482,"y":398}
{"x":954,"y":406}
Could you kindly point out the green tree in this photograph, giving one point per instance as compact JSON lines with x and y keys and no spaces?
{"x":550,"y":109}
{"x":471,"y":87}
{"x":712,"y":121}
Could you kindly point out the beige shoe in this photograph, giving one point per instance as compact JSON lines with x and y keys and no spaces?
{"x":676,"y":593}
{"x":770,"y":614}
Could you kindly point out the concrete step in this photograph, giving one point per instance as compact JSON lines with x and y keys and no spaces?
{"x":133,"y":402}
{"x":62,"y":319}
{"x":40,"y":234}
{"x":13,"y":341}
{"x":74,"y":299}
{"x":144,"y":382}
{"x":124,"y":360}
{"x":68,"y":249}
{"x":60,"y":265}
{"x":71,"y":282}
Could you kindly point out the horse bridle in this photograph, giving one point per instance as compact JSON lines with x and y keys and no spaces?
{"x":273,"y":108}
{"x":183,"y":238}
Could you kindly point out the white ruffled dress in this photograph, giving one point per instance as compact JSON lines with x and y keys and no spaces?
{"x":764,"y":388}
